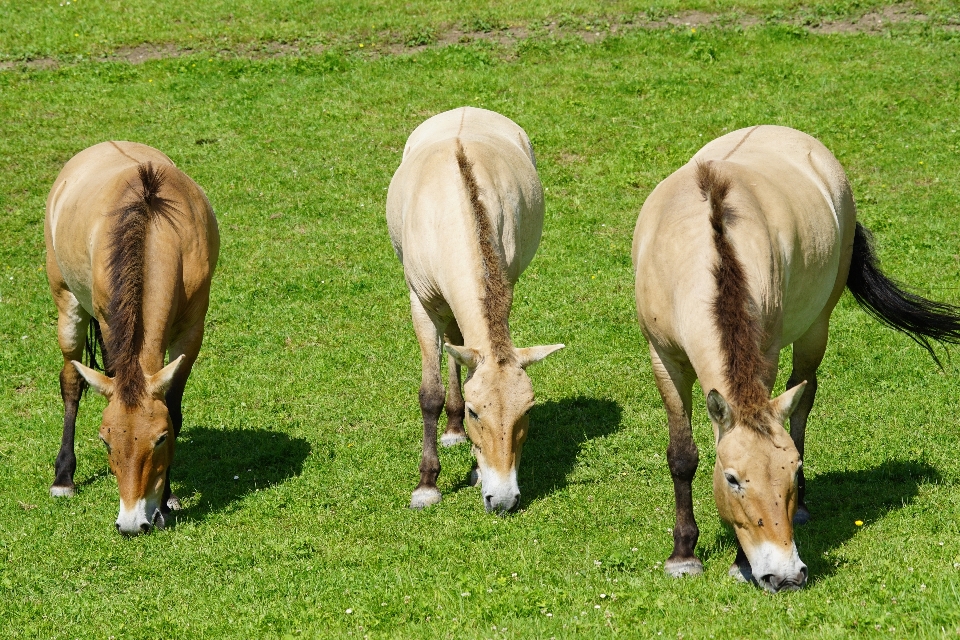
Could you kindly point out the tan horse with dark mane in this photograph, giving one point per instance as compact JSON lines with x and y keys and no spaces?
{"x":465,"y":213}
{"x":742,"y":251}
{"x":132,"y":243}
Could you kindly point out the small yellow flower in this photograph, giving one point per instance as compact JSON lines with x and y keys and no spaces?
{"x":693,"y":30}
{"x":361,"y":45}
{"x":150,"y":80}
{"x":76,"y":35}
{"x":921,"y":162}
{"x":859,"y":523}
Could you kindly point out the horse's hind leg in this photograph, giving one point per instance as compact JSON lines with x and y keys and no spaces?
{"x":807,"y":355}
{"x":454,"y":433}
{"x":675,"y":385}
{"x":72,"y":326}
{"x":431,"y":403}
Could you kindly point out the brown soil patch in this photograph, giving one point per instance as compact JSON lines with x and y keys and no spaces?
{"x":395,"y":44}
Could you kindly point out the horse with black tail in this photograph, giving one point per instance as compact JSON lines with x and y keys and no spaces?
{"x":132,"y":243}
{"x":742,"y":251}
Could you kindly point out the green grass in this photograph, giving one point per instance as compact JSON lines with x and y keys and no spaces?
{"x":81,"y":29}
{"x":306,"y":386}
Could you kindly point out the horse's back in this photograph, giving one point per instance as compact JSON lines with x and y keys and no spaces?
{"x":791,"y":213}
{"x":429,"y":211}
{"x":98,"y":182}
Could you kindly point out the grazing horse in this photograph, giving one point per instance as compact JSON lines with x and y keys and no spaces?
{"x":465,"y":213}
{"x":132,"y":243}
{"x":742,"y":251}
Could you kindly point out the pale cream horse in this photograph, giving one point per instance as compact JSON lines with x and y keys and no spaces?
{"x":742,"y":251}
{"x":465,"y":213}
{"x":131,"y":247}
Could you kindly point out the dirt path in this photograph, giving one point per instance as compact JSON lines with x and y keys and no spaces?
{"x":590,"y":30}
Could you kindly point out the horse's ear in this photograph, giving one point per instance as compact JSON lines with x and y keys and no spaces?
{"x":101,"y":383}
{"x":531,"y":355}
{"x":158,"y":383}
{"x":465,"y":356}
{"x":786,"y":403}
{"x":720,"y":412}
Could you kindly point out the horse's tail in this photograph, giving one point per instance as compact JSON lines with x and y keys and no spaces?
{"x":93,"y":346}
{"x":921,"y":319}
{"x":125,"y":267}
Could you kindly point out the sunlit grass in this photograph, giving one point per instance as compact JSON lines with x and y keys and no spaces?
{"x":302,"y":428}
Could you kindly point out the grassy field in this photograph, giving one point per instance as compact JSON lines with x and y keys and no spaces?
{"x":302,"y":429}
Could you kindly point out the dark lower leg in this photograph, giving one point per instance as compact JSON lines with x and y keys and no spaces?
{"x":431,"y":403}
{"x":71,"y":388}
{"x":174,"y":401}
{"x":683,"y":458}
{"x":741,"y":566}
{"x":798,"y":427}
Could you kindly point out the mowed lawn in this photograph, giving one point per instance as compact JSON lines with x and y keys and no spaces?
{"x":302,"y":429}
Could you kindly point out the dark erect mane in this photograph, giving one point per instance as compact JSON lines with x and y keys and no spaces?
{"x":497,"y":293}
{"x":734,"y":310}
{"x":125,"y":272}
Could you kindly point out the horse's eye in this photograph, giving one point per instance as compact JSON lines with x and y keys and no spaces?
{"x":160,"y":440}
{"x":732,"y":481}
{"x":473,"y":414}
{"x":105,"y":443}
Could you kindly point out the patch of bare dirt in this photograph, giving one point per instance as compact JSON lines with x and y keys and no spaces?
{"x":872,"y":22}
{"x":395,"y":44}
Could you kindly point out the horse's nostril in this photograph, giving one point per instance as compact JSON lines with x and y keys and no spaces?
{"x":117,"y":525}
{"x":145,"y":527}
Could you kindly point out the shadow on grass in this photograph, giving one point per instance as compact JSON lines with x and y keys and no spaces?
{"x":836,"y":501}
{"x":839,"y":498}
{"x":557,"y":432}
{"x":207,"y":461}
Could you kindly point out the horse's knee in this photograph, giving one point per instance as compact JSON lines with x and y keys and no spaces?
{"x":683,"y":461}
{"x":431,"y":400}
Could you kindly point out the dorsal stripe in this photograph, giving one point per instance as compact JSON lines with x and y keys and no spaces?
{"x":734,"y":311}
{"x":125,"y":269}
{"x":497,"y":290}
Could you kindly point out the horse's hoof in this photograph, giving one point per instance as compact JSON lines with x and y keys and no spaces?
{"x":452,"y":439}
{"x":424,"y":498}
{"x":684,"y":567}
{"x":741,"y":573}
{"x":473,"y":478}
{"x":63,"y":492}
{"x":173,"y":503}
{"x":802,"y":516}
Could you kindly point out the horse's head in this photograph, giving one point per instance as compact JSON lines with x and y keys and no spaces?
{"x":498,"y":396}
{"x":140,"y":443}
{"x":755,"y":486}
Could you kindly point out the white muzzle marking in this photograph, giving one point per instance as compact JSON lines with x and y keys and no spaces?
{"x":500,"y":493}
{"x":776,"y":568}
{"x":140,"y":518}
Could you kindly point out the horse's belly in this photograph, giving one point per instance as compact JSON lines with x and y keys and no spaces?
{"x":806,"y":298}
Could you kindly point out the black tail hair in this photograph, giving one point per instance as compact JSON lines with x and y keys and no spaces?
{"x":921,"y":319}
{"x":93,"y":345}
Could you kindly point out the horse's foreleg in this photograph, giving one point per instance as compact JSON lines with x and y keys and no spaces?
{"x":675,"y":388}
{"x":431,"y":404}
{"x":807,"y":354}
{"x":187,"y":345}
{"x":72,"y":334}
{"x":454,"y":433}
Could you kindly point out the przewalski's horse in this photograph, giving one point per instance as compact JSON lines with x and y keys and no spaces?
{"x":131,"y":247}
{"x":745,"y":250}
{"x":465,"y":212}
